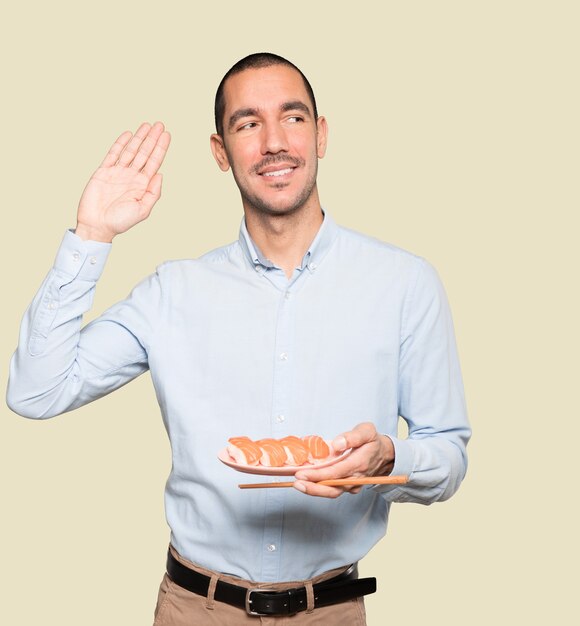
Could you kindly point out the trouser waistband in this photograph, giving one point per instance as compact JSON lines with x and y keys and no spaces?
{"x":263,"y":601}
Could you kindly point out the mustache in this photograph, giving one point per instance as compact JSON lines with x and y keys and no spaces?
{"x":276,"y":158}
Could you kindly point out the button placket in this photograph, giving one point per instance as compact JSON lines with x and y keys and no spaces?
{"x":282,"y":365}
{"x":274,"y":517}
{"x":275,"y":498}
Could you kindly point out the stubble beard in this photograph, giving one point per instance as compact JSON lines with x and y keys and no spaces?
{"x":260,"y":205}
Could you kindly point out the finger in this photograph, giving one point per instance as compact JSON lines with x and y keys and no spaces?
{"x":116,"y":149}
{"x":320,"y":491}
{"x":132,"y":147}
{"x":358,"y":436}
{"x":146,"y":148}
{"x":342,"y":469}
{"x":152,"y":194}
{"x":156,"y":158}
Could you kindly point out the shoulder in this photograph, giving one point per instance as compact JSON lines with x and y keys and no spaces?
{"x":378,"y":254}
{"x":224,"y":256}
{"x":411,"y":276}
{"x":177,"y":276}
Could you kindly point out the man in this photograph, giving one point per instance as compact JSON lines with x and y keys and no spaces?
{"x":299,"y":327}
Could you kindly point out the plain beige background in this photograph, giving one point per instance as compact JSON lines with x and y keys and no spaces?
{"x":454,"y":134}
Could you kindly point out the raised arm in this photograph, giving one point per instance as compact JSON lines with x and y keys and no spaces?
{"x":58,"y":366}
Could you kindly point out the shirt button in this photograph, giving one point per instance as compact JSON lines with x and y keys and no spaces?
{"x":51,"y":306}
{"x":287,"y":295}
{"x":76,"y":256}
{"x":312,"y":266}
{"x":93,"y":260}
{"x":257,"y":267}
{"x":271,"y":547}
{"x":284,"y":356}
{"x":280,"y":418}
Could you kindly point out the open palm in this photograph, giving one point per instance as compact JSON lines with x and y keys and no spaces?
{"x":123,"y":191}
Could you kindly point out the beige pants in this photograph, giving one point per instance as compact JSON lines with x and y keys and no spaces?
{"x":178,"y":607}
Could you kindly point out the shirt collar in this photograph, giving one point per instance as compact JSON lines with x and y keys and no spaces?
{"x":316,"y":252}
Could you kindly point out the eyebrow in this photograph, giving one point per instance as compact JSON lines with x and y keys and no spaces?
{"x":293,"y":105}
{"x":239,"y":114}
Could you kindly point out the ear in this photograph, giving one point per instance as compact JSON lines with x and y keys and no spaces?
{"x":219,"y":152}
{"x":321,"y":136}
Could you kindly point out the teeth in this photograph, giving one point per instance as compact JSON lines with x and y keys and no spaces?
{"x":278,"y":172}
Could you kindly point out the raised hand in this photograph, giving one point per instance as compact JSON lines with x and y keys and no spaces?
{"x":122,"y":192}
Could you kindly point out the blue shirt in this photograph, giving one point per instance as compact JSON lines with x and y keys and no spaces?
{"x":360,"y":332}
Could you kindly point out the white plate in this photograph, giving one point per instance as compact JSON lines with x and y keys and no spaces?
{"x":285,"y":470}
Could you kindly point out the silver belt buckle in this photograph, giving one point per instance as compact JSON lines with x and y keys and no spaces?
{"x":249,"y":592}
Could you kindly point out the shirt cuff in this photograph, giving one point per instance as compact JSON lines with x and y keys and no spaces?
{"x":403,"y":467}
{"x":403,"y":458}
{"x":79,"y":258}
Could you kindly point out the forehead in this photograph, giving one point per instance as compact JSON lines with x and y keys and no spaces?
{"x":264,"y":88}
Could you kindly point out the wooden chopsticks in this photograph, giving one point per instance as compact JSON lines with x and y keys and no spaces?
{"x":353,"y":480}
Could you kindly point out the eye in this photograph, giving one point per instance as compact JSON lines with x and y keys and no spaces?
{"x":247,"y":126}
{"x":295,"y":118}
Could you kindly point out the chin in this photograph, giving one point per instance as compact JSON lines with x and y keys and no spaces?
{"x":275,"y":211}
{"x":278,"y":207}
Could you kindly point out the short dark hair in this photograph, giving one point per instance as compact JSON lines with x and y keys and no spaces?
{"x":254,"y":61}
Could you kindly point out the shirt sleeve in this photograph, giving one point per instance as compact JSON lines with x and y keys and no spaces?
{"x":431,"y":398}
{"x":58,"y":365}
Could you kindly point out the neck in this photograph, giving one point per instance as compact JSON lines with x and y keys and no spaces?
{"x":284,"y":239}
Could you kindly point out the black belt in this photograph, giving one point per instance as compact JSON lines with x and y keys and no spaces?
{"x":256,"y":601}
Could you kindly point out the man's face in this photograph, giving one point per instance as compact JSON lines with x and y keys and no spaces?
{"x":271,"y":139}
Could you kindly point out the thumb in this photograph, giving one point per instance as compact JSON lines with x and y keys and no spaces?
{"x":153,"y":193}
{"x":339,"y":443}
{"x":359,"y":435}
{"x":155,"y":185}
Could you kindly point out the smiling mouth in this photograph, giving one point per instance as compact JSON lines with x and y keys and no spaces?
{"x":277,"y":166}
{"x":275,"y":173}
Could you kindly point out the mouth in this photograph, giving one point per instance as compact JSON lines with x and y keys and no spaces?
{"x":276,"y":171}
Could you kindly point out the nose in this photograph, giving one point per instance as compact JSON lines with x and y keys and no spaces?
{"x":274,"y":139}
